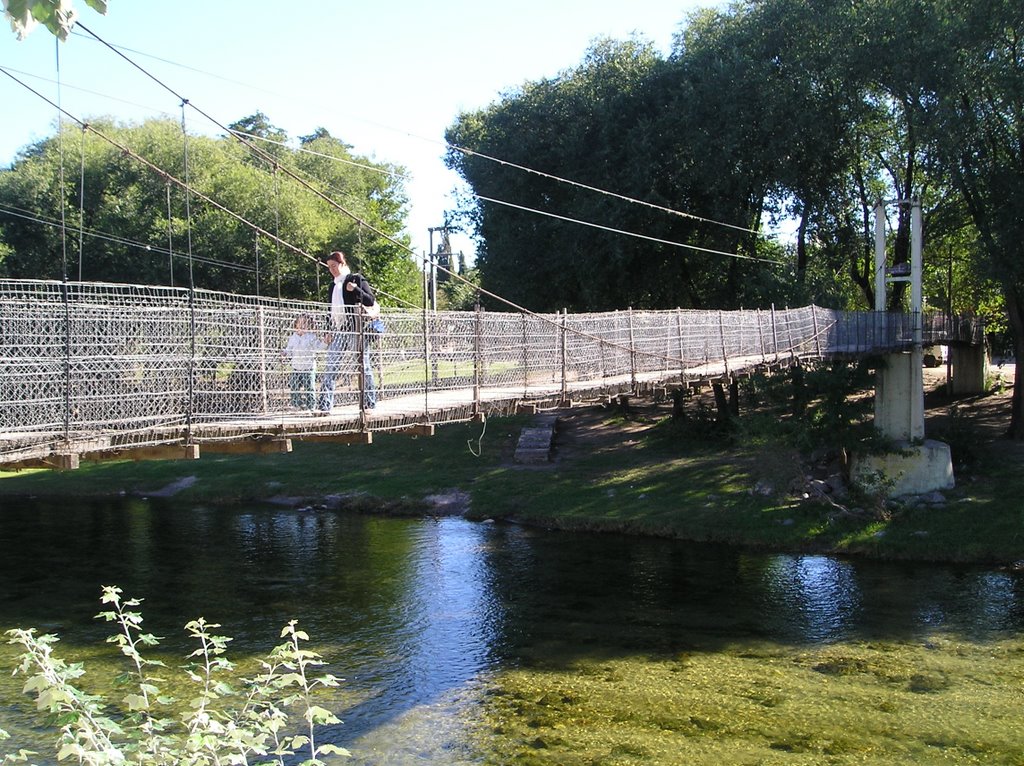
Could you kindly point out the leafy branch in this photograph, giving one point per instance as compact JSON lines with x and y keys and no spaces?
{"x":227,"y":721}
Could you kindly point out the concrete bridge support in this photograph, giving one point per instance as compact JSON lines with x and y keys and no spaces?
{"x":970,"y":370}
{"x":899,"y":397}
{"x":917,"y":465}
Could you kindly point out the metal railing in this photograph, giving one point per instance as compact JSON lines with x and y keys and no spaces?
{"x":127,"y":365}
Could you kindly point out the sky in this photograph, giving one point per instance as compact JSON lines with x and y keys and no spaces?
{"x":387,"y":77}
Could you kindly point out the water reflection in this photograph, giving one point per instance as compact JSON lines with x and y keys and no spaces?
{"x":415,"y":614}
{"x":817,"y":598}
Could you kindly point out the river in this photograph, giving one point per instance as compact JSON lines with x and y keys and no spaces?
{"x":483,"y":643}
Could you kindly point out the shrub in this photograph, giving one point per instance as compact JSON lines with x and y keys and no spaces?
{"x":236,"y":721}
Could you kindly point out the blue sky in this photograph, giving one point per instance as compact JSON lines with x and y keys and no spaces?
{"x":386,"y":77}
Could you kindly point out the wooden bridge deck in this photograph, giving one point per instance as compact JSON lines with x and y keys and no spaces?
{"x":415,"y":414}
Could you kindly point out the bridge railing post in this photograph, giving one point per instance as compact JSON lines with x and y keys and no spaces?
{"x":262,"y":351}
{"x":721,"y":340}
{"x":526,"y":355}
{"x":775,"y":335}
{"x":190,"y":404}
{"x":477,"y":357}
{"x":789,"y":334}
{"x":814,"y":327}
{"x":66,"y":415}
{"x":760,"y":333}
{"x":679,"y":337}
{"x":361,"y":352}
{"x":633,"y":351}
{"x":426,"y":319}
{"x":563,"y":354}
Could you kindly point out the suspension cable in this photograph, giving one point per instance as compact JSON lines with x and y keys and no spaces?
{"x":623,"y":197}
{"x":64,"y":255}
{"x":277,"y":229}
{"x":446,"y":145}
{"x":190,"y":407}
{"x":630,"y":233}
{"x":266,"y":157}
{"x":107,"y":237}
{"x":160,"y":171}
{"x":81,"y":210}
{"x":260,"y":153}
{"x":170,"y":234}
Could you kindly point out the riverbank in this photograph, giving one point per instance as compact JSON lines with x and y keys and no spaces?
{"x":633,"y":471}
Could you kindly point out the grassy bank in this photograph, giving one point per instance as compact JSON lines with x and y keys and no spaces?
{"x":636,"y":471}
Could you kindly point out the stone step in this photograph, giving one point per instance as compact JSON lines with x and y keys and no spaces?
{"x":536,"y":440}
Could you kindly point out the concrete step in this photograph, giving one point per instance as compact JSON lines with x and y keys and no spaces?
{"x":536,"y":440}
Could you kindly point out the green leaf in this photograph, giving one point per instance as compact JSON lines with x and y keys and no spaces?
{"x":319,"y":715}
{"x":136,"y":702}
{"x":333,"y":750}
{"x":71,"y":749}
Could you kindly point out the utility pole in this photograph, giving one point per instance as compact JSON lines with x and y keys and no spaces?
{"x":442,"y":257}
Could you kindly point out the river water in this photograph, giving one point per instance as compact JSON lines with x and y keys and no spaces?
{"x":430,"y":621}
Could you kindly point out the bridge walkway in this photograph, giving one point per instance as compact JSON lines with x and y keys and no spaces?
{"x":99,"y":371}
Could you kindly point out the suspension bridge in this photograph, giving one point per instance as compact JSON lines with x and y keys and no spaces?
{"x":92,"y":371}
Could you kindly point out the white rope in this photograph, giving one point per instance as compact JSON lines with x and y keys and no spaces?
{"x":116,"y":239}
{"x":479,"y":442}
{"x":598,"y":190}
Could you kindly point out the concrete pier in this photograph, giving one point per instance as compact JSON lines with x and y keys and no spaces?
{"x":899,"y":396}
{"x":916,"y":468}
{"x":970,"y":370}
{"x":917,"y":465}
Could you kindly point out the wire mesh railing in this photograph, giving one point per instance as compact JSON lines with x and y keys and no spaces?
{"x":88,"y":366}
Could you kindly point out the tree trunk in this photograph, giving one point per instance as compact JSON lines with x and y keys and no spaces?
{"x":678,"y":397}
{"x":801,"y":248}
{"x":796,"y":376}
{"x":1015,"y":309}
{"x":724,"y":414}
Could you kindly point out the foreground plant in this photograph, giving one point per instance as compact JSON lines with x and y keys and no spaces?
{"x":227,"y":721}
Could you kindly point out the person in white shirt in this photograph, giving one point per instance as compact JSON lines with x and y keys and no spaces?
{"x":350,"y":296}
{"x":301,"y":350}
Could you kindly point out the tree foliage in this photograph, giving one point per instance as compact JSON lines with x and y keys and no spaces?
{"x":125,"y":222}
{"x":768,"y":110}
{"x":975,"y":111}
{"x":58,"y":16}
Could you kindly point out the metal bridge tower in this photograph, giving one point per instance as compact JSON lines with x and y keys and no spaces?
{"x":918,"y":465}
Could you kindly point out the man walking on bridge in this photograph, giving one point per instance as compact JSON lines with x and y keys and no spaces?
{"x":350,"y":296}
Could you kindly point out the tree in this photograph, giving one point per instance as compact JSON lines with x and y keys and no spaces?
{"x":58,"y":16}
{"x":975,"y":111}
{"x":624,"y":120}
{"x":134,"y":225}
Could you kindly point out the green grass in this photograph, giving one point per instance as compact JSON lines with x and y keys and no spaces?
{"x":395,"y":469}
{"x":659,"y":479}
